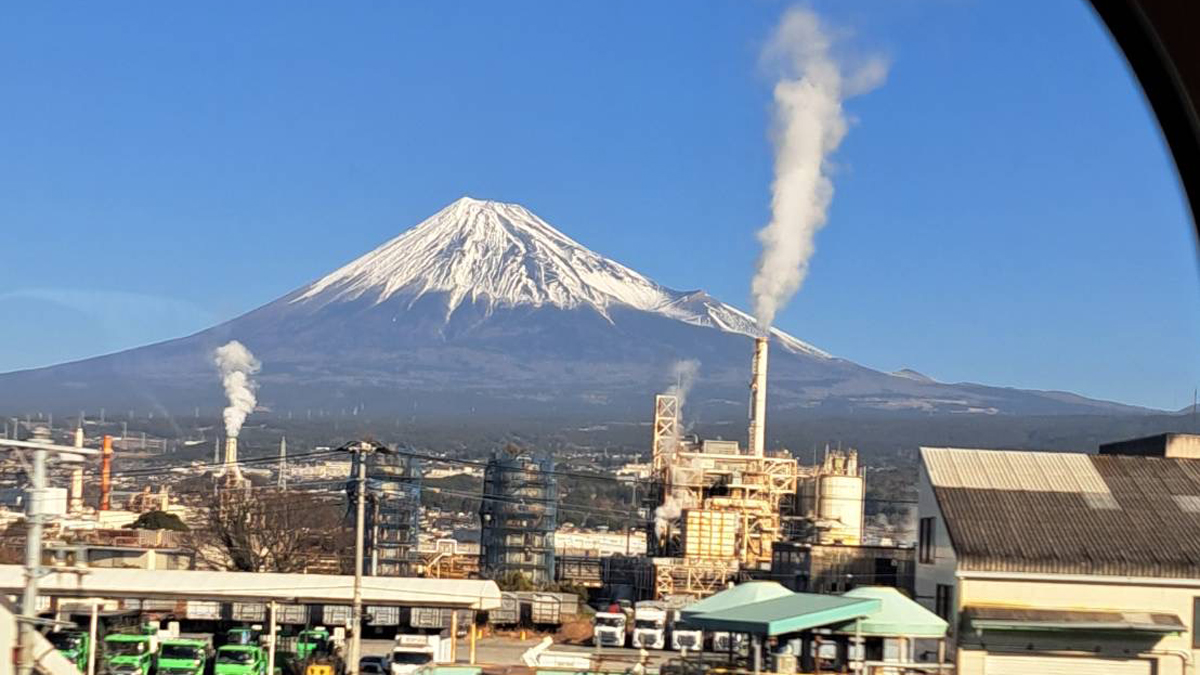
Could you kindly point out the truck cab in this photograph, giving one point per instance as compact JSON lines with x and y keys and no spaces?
{"x":180,"y":656}
{"x":413,"y":652}
{"x":73,"y":645}
{"x":312,"y":641}
{"x":242,"y":635}
{"x":240,"y":660}
{"x":649,"y":626}
{"x":609,"y":629}
{"x":685,"y":637}
{"x":130,"y":653}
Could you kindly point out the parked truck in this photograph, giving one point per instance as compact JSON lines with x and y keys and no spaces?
{"x":73,"y":645}
{"x":240,"y":660}
{"x":182,"y":656}
{"x":609,"y":629}
{"x":130,"y":653}
{"x":413,"y":652}
{"x":683,"y":636}
{"x":649,"y":625}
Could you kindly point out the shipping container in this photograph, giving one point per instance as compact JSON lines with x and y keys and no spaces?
{"x":383,"y":616}
{"x":335,"y":615}
{"x":545,"y":609}
{"x":161,"y":605}
{"x":437,"y":617}
{"x":291,"y":614}
{"x":709,"y":534}
{"x":248,"y":612}
{"x":509,"y":611}
{"x":204,"y":610}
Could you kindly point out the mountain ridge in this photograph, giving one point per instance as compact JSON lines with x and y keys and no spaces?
{"x":485,"y":304}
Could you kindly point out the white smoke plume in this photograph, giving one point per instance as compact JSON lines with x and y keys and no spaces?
{"x":809,"y":126}
{"x":684,"y":374}
{"x":236,"y":364}
{"x":671,"y":509}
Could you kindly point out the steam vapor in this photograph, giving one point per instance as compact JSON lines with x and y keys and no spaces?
{"x":684,"y":374}
{"x":236,"y":364}
{"x":809,"y":126}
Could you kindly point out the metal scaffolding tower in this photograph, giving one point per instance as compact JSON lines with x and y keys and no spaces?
{"x":518,"y":515}
{"x":393,"y":513}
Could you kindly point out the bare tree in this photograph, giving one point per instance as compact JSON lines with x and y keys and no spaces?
{"x":267,"y":530}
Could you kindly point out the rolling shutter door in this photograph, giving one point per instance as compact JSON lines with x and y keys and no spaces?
{"x":1005,"y":664}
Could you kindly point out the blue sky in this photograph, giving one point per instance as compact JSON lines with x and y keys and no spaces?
{"x":1005,"y":209}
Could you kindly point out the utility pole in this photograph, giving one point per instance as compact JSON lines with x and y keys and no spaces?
{"x":35,"y":518}
{"x":33,"y":553}
{"x":361,"y":451}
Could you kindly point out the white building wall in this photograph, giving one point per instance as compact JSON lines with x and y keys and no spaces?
{"x":1174,"y":653}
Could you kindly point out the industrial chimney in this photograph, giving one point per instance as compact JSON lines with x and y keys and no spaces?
{"x":758,"y":397}
{"x":76,"y":503}
{"x":106,"y":453}
{"x":231,"y":458}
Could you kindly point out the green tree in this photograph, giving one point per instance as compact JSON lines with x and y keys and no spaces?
{"x":158,"y":520}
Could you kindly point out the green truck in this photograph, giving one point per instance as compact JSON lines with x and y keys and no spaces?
{"x":72,"y":644}
{"x":182,"y":656}
{"x":240,"y":660}
{"x":242,"y":636}
{"x":312,"y":642}
{"x":130,"y":653}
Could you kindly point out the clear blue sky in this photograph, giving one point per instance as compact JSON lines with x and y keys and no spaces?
{"x":1006,"y":211}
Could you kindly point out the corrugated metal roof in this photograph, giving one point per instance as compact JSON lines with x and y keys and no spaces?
{"x":1069,"y":513}
{"x":1014,"y":618}
{"x":314,"y":588}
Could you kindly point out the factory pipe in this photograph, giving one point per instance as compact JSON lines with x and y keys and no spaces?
{"x":758,"y":398}
{"x":106,"y":453}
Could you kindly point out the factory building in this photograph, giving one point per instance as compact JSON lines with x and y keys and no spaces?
{"x":837,"y":568}
{"x":717,"y":508}
{"x":1050,"y":562}
{"x":831,"y":499}
{"x":393,"y":513}
{"x":518,"y":516}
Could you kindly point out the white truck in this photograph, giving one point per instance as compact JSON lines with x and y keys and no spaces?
{"x":411,"y":652}
{"x":725,"y":642}
{"x":649,"y":625}
{"x":683,"y":636}
{"x":609,"y":629}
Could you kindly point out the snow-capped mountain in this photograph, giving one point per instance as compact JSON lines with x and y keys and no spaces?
{"x":486,"y":307}
{"x":502,"y":255}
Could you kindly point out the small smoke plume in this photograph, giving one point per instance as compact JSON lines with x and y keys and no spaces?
{"x":236,"y":364}
{"x":671,"y":508}
{"x":684,"y":374}
{"x":809,"y":126}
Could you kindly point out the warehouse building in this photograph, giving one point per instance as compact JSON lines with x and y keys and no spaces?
{"x":1062,"y":562}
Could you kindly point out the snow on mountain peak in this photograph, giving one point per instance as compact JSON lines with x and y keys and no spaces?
{"x":499,"y":253}
{"x":504,"y":255}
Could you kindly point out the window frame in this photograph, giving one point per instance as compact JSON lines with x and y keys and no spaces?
{"x":926,"y":540}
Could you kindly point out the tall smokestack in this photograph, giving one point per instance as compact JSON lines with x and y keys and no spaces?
{"x":283,"y":462}
{"x":106,"y":453}
{"x":231,"y":457}
{"x":76,"y":503}
{"x":758,"y":397}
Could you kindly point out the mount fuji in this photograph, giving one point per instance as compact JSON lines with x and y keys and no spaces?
{"x":485,"y":307}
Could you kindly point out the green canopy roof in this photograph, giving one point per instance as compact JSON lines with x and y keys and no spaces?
{"x":742,"y":594}
{"x":898,"y":615}
{"x":784,"y":614}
